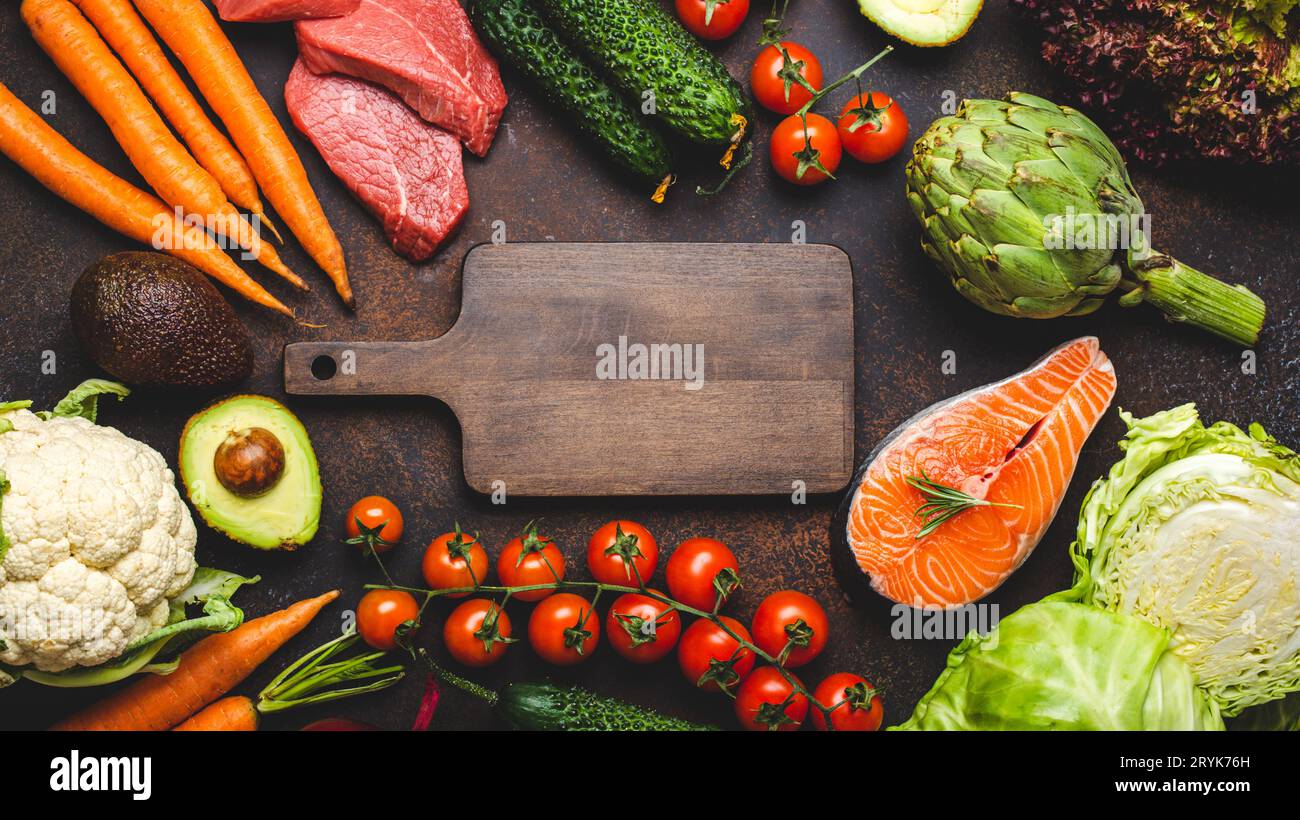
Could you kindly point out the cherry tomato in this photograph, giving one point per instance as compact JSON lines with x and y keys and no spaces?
{"x":642,"y":629}
{"x":564,"y":629}
{"x":872,"y":127}
{"x":788,"y":616}
{"x":619,"y":546}
{"x":713,"y":660}
{"x":789,"y":149}
{"x":774,"y":79}
{"x":856,"y":704}
{"x":374,"y":523}
{"x":529,"y":560}
{"x":381,"y":612}
{"x":768,"y":702}
{"x":476,"y":632}
{"x":453,"y":560}
{"x":693,"y":570}
{"x":716,"y":23}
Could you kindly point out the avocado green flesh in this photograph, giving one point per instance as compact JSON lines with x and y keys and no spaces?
{"x":923,"y":22}
{"x":284,"y":517}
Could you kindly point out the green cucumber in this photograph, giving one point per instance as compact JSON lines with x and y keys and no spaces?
{"x":546,"y":707}
{"x":644,"y":50}
{"x":520,"y":36}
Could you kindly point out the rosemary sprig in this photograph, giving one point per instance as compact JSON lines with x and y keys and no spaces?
{"x":944,"y":503}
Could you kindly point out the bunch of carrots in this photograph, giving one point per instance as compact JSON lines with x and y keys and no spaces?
{"x":210,"y":179}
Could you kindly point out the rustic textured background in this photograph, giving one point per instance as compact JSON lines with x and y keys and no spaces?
{"x":547,"y":186}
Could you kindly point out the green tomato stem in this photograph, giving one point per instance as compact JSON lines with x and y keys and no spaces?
{"x":852,"y":75}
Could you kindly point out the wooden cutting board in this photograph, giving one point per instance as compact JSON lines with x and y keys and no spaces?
{"x":555,"y":397}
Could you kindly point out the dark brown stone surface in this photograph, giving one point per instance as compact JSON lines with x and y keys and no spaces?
{"x":546,"y":185}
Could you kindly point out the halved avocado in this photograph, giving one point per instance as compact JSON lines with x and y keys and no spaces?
{"x":923,"y":22}
{"x":242,"y":483}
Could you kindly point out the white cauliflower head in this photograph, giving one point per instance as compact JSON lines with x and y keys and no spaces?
{"x":99,"y":542}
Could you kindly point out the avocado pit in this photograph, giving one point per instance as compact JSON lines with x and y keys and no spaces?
{"x":249,"y":462}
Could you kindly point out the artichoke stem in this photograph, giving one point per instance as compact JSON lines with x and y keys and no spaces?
{"x":1184,"y":294}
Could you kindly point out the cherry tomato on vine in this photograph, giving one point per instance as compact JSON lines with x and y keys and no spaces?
{"x":529,"y":560}
{"x":454,"y":560}
{"x":712,"y":19}
{"x":790,"y":616}
{"x":374,"y":522}
{"x":713,"y":660}
{"x":872,"y":127}
{"x":794,"y":161}
{"x":616,"y":548}
{"x":381,"y":612}
{"x":642,"y":629}
{"x":693,"y":570}
{"x":856,"y":704}
{"x":768,"y":702}
{"x":476,"y":632}
{"x":564,"y":629}
{"x":775,"y":81}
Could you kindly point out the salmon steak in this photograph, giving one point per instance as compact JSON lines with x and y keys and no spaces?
{"x":1010,"y":447}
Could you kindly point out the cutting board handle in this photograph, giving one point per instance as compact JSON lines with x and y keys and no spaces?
{"x":367,"y":369}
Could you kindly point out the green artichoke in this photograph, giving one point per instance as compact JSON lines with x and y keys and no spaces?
{"x":1029,"y":208}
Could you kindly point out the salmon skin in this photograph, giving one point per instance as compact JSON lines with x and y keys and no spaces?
{"x":1013,"y":442}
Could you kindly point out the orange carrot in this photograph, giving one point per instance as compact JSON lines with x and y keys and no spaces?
{"x":55,"y":163}
{"x":232,"y":714}
{"x":208,"y":670}
{"x":196,"y":38}
{"x":119,"y":24}
{"x":75,"y":46}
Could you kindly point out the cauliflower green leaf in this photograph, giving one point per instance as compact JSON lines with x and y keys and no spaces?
{"x":83,"y":400}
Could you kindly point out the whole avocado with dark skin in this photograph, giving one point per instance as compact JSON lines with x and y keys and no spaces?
{"x":152,"y":320}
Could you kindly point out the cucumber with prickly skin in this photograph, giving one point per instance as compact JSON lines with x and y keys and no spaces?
{"x":518,"y":34}
{"x":546,"y":707}
{"x":646,"y":52}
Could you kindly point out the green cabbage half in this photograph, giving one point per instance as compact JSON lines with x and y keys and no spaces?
{"x":1197,"y":531}
{"x":1063,"y":665}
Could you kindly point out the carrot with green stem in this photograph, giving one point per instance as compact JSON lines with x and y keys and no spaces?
{"x":195,"y":37}
{"x":322,"y":675}
{"x":233,"y":714}
{"x":54,"y":162}
{"x":135,"y":44}
{"x":207,"y":670}
{"x":80,"y":53}
{"x":326,"y":673}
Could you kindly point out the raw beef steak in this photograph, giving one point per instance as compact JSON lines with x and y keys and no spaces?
{"x":406,"y":171}
{"x":423,"y":50}
{"x":278,"y":11}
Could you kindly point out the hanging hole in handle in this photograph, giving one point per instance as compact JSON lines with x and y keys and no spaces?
{"x":324,"y":367}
